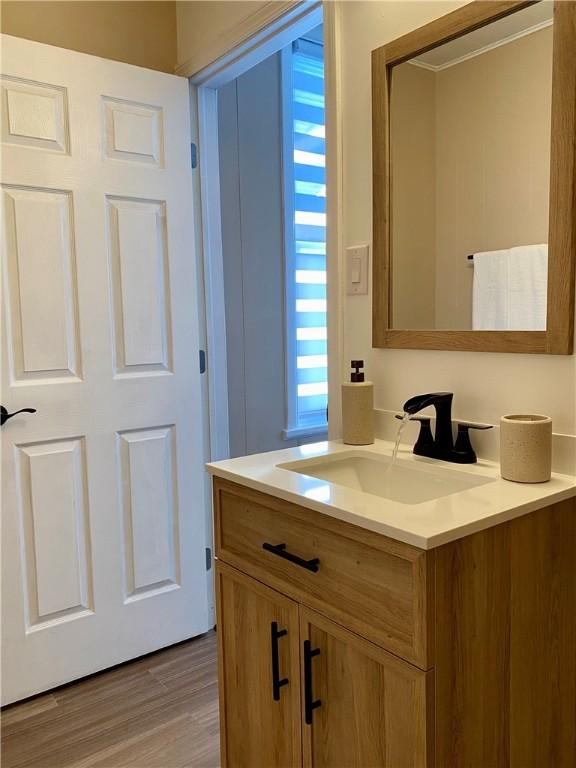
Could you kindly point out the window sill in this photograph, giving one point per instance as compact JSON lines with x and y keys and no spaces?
{"x":297,"y":433}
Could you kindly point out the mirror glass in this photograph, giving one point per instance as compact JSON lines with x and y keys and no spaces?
{"x":470,"y":169}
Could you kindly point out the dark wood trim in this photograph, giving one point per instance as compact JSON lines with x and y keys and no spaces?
{"x":558,"y":339}
{"x":562,"y":237}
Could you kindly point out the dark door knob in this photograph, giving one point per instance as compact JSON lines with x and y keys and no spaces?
{"x":4,"y":415}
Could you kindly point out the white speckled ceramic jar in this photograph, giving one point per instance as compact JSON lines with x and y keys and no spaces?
{"x":526,"y":448}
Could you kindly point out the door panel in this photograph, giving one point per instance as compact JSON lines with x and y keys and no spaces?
{"x":43,"y":337}
{"x":134,"y":131}
{"x":372,"y":709}
{"x":104,"y":509}
{"x":140,"y":285}
{"x":257,"y":730}
{"x":152,"y":541}
{"x":58,"y":569}
{"x":34,"y":114}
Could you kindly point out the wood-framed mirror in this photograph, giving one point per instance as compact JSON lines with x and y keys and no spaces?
{"x":474,"y":181}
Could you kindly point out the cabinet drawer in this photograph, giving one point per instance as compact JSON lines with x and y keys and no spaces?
{"x":376,"y":586}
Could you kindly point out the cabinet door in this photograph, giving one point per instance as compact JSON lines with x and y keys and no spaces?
{"x":258,"y":656}
{"x":362,"y":706}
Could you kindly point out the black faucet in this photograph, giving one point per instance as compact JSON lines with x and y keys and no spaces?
{"x":441,"y":445}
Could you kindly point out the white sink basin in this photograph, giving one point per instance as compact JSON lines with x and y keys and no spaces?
{"x":406,"y":482}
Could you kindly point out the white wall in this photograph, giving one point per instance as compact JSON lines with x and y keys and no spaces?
{"x":141,"y":32}
{"x":486,"y":385}
{"x":202,"y":24}
{"x":207,"y":29}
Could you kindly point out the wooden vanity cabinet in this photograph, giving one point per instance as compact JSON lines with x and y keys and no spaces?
{"x":469,"y":659}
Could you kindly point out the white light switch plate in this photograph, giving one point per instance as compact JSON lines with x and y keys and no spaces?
{"x":356,"y":270}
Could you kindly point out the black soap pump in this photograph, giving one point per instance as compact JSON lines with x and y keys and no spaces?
{"x":357,"y":408}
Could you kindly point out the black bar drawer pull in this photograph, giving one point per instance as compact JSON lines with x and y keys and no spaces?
{"x":309,"y":703}
{"x":281,"y":551}
{"x":277,"y":683}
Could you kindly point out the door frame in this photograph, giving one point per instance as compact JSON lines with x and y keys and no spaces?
{"x":299,"y":18}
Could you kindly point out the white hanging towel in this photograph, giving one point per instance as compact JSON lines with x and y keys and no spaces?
{"x":528,"y":287}
{"x":490,"y":291}
{"x":510,"y":289}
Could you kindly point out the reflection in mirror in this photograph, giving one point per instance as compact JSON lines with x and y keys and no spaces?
{"x":470,"y":166}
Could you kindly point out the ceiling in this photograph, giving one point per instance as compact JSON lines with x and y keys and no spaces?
{"x":498,"y":33}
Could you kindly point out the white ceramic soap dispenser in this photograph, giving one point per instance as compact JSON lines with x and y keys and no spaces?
{"x":357,"y":408}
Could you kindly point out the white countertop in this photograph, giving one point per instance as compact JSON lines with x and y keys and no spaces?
{"x":426,"y":525}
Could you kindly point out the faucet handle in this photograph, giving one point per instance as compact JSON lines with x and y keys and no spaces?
{"x":463,"y":451}
{"x":424,"y":446}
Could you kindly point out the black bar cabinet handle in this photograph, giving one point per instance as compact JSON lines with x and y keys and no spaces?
{"x":277,"y":682}
{"x":310,"y":704}
{"x":281,"y":551}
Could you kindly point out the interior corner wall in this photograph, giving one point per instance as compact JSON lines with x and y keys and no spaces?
{"x":140,"y":32}
{"x":486,"y":385}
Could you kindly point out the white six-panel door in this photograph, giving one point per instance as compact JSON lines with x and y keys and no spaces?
{"x":103,"y":501}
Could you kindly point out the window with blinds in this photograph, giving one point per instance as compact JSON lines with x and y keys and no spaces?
{"x":305,"y":184}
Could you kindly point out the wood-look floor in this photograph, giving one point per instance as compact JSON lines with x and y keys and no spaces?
{"x":160,"y":711}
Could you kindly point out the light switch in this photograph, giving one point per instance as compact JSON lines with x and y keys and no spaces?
{"x":357,"y":270}
{"x":356,"y":275}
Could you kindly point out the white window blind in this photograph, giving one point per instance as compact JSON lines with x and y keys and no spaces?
{"x":306,"y":238}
